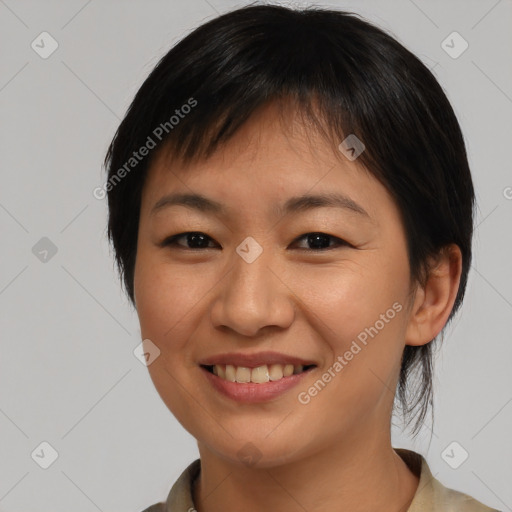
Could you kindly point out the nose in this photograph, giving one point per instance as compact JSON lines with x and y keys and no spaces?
{"x":253,"y":296}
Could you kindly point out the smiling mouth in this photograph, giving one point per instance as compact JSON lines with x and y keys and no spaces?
{"x":258,"y":375}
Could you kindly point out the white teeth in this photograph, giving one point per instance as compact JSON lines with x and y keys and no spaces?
{"x":259,"y":375}
{"x":243,"y":374}
{"x":288,"y":370}
{"x":221,"y":371}
{"x":276,"y":371}
{"x":230,"y":372}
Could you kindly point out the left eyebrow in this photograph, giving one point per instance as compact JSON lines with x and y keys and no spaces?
{"x":294,"y":204}
{"x":333,"y":200}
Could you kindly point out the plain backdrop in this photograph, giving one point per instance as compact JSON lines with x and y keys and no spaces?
{"x":68,"y":374}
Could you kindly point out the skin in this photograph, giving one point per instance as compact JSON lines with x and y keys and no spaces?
{"x":334,"y":452}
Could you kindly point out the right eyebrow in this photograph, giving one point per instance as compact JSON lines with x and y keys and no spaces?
{"x":193,"y":201}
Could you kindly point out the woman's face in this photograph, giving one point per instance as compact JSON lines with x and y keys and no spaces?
{"x":254,"y":282}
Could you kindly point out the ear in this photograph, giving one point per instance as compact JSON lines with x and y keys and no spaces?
{"x":434,"y":301}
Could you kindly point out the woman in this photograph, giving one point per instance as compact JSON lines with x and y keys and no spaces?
{"x":291,"y":209}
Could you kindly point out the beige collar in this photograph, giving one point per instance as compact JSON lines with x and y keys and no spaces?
{"x":431,"y":495}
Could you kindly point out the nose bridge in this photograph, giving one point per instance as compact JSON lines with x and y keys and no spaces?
{"x":252,"y":297}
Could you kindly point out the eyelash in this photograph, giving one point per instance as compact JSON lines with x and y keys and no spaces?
{"x":172,"y":241}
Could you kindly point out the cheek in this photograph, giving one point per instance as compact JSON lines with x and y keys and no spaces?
{"x":362,"y":320}
{"x":351,"y":297}
{"x":165,"y":297}
{"x":166,"y":303}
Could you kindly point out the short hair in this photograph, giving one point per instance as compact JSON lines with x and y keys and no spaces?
{"x":347,"y":76}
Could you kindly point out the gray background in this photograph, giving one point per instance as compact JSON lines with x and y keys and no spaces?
{"x":68,"y":375}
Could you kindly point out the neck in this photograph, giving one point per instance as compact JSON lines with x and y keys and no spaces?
{"x":355,"y":475}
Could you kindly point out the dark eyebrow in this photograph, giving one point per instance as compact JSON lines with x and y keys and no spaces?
{"x":334,"y":200}
{"x":294,"y":204}
{"x":193,"y":201}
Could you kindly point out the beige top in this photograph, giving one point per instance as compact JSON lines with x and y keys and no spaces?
{"x":431,"y":495}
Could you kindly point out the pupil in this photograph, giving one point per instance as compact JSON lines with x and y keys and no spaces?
{"x":194,"y":237}
{"x":313,"y":239}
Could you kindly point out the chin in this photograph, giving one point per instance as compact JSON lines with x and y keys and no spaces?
{"x":256,"y":453}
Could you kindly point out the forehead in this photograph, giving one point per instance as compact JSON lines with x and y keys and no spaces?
{"x":273,"y":156}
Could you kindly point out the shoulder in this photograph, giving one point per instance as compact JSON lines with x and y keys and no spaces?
{"x":157,"y":507}
{"x":180,"y":496}
{"x":431,"y":495}
{"x":455,"y":501}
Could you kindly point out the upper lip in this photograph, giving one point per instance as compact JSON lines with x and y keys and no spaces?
{"x":254,"y":360}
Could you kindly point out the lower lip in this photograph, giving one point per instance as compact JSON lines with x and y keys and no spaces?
{"x":251,"y":392}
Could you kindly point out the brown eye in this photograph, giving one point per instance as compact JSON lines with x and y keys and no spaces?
{"x":320,"y":241}
{"x":193,"y":240}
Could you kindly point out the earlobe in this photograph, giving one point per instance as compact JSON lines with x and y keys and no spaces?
{"x":433,"y":302}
